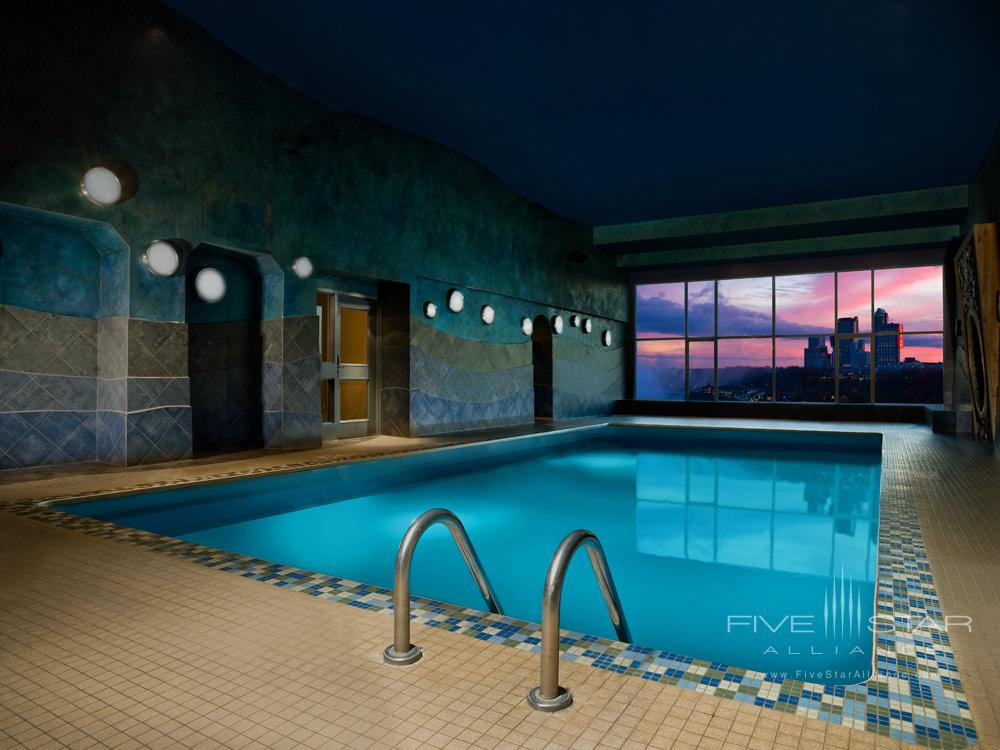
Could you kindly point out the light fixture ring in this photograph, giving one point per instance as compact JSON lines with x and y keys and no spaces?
{"x":162,"y":258}
{"x":109,"y":183}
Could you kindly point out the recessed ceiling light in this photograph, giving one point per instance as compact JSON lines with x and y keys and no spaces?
{"x":557,"y":323}
{"x":210,"y":284}
{"x":430,"y":310}
{"x":527,"y":327}
{"x":574,"y":320}
{"x":606,"y":338}
{"x":488,"y":314}
{"x":587,"y":325}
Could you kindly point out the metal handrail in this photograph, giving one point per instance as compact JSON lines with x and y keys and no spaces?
{"x":549,"y":695}
{"x":401,"y":651}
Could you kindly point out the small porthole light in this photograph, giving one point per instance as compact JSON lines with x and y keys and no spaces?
{"x":557,"y":323}
{"x":488,"y":314}
{"x":574,"y":320}
{"x":162,"y":258}
{"x":430,"y":310}
{"x":210,"y":284}
{"x":606,"y":338}
{"x":456,"y":301}
{"x":101,"y":186}
{"x":527,"y":327}
{"x":302,"y":267}
{"x":108,"y":183}
{"x":587,"y":325}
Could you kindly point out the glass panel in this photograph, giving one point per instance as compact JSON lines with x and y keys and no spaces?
{"x":321,"y":326}
{"x":909,"y":369}
{"x":745,"y":307}
{"x":353,"y":399}
{"x":910,"y":297}
{"x":855,"y":376}
{"x":745,"y":369}
{"x":804,"y":304}
{"x":324,"y":307}
{"x":854,"y":300}
{"x":701,"y":308}
{"x":804,"y":369}
{"x":326,"y":401}
{"x":353,"y":336}
{"x":659,"y":370}
{"x":659,"y":310}
{"x":701,"y":371}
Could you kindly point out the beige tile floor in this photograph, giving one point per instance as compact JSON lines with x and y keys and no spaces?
{"x":104,"y":644}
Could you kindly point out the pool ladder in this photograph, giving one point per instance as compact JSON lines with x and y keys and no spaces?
{"x":401,"y":651}
{"x":549,"y":695}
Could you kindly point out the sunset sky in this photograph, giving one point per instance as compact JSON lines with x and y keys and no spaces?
{"x":804,"y":305}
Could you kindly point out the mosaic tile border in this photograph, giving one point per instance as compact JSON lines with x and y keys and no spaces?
{"x":915,"y":696}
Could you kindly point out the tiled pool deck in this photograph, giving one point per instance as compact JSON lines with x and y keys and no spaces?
{"x":917,"y":696}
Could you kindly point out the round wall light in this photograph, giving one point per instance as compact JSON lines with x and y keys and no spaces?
{"x":109,"y":182}
{"x":527,"y":327}
{"x":587,"y":325}
{"x":162,"y":258}
{"x":606,"y":338}
{"x":574,"y":320}
{"x":302,"y":267}
{"x":210,"y":284}
{"x":488,"y":314}
{"x":430,"y":310}
{"x":557,"y":323}
{"x":456,"y":301}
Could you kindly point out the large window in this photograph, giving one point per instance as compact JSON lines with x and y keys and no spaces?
{"x":848,"y":337}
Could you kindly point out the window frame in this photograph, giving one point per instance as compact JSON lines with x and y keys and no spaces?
{"x":832,"y":334}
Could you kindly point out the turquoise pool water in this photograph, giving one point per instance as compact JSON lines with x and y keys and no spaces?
{"x":750,"y":548}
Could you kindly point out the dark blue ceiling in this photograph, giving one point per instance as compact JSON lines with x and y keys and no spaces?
{"x":615,"y":112}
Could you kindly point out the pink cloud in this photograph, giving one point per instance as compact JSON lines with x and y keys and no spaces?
{"x":911,"y":296}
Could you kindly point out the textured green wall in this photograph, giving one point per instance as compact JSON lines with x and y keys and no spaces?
{"x":229,"y":155}
{"x":464,"y":374}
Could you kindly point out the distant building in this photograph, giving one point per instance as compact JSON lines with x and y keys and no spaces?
{"x":890,"y":343}
{"x":851,"y":350}
{"x":817,"y":355}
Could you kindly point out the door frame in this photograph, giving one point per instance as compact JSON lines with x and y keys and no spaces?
{"x":333,"y":301}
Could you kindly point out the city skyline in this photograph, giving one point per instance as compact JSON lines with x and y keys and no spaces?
{"x":887,"y":345}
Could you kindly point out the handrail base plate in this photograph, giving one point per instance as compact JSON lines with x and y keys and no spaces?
{"x":561,"y":701}
{"x":391,"y":656}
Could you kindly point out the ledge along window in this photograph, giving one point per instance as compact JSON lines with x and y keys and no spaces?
{"x":871,"y":336}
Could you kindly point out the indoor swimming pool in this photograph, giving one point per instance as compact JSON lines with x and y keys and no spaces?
{"x":752,"y":548}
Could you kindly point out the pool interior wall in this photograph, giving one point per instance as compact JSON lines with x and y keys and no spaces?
{"x":704,"y":528}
